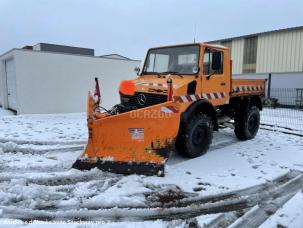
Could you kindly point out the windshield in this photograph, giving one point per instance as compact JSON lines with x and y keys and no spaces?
{"x":173,"y":60}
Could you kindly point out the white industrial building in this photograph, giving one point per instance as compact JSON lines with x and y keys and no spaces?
{"x":48,"y":78}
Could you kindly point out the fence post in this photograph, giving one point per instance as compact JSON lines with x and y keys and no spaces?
{"x":269,"y":85}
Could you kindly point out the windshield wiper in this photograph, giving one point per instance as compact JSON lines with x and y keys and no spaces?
{"x":169,"y":72}
{"x":165,"y":72}
{"x":172,"y":72}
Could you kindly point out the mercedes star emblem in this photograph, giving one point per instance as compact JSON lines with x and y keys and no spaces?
{"x":141,"y":99}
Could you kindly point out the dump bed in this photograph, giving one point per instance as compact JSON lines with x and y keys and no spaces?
{"x":247,"y":87}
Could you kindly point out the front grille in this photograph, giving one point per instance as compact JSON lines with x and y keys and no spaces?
{"x":151,"y":99}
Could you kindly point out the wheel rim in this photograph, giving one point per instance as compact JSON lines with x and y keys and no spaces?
{"x":198,"y":135}
{"x":252,"y":124}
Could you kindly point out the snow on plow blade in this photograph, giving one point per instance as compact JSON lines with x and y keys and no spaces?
{"x":137,"y":142}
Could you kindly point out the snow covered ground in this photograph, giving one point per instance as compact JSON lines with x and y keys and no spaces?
{"x":36,"y":181}
{"x":4,"y":112}
{"x":290,"y":215}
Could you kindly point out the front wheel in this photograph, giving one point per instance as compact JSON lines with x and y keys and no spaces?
{"x":247,"y":123}
{"x":195,"y":137}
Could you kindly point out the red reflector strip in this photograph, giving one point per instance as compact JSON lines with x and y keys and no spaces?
{"x":169,"y":109}
{"x":248,"y":88}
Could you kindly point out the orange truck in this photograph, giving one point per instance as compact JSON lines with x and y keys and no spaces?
{"x":182,"y":94}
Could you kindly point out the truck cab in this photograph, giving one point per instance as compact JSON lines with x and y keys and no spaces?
{"x":194,"y":69}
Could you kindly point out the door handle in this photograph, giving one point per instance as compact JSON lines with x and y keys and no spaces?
{"x":223,"y":84}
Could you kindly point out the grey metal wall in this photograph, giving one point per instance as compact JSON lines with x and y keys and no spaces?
{"x":277,"y":52}
{"x":280,"y":52}
{"x":237,"y":51}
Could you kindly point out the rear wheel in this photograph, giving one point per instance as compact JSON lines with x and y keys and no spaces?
{"x":195,"y":137}
{"x":247,"y":123}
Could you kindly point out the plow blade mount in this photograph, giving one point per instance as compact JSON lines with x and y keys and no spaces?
{"x":137,"y":142}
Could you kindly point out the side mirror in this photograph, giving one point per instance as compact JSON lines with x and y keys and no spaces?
{"x":137,"y":70}
{"x":216,"y":60}
{"x":196,"y":69}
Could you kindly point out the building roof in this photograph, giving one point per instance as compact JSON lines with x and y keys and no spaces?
{"x":256,"y":34}
{"x":8,"y":53}
{"x":58,"y":48}
{"x":67,"y":50}
{"x":115,"y":56}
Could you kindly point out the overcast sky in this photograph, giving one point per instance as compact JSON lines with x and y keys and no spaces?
{"x":130,"y":27}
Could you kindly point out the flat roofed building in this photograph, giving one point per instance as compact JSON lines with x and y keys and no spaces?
{"x":49,"y":78}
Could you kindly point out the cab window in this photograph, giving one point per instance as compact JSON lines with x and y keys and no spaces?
{"x":173,"y":60}
{"x":213,"y":62}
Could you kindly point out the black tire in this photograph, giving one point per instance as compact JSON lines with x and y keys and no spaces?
{"x":247,"y":123}
{"x":195,"y":136}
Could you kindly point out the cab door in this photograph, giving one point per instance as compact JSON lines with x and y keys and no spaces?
{"x":216,"y":78}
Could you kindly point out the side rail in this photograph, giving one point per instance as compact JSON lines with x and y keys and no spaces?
{"x":244,"y":87}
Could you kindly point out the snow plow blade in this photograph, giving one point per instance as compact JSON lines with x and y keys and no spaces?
{"x":148,"y":169}
{"x":134,"y":142}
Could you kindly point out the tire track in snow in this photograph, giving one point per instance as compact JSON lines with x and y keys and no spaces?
{"x":40,"y":142}
{"x":281,"y":127}
{"x":224,"y":219}
{"x":237,"y":193}
{"x":260,"y":213}
{"x":46,"y":169}
{"x":14,"y":153}
{"x":101,"y":185}
{"x":281,"y":131}
{"x":71,"y":176}
{"x":281,"y":187}
{"x":11,"y":147}
{"x":55,"y":190}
